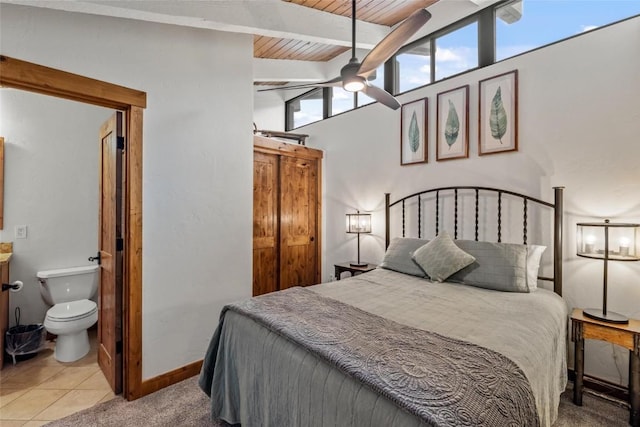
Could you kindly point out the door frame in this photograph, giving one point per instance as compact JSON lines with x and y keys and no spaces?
{"x":18,"y":74}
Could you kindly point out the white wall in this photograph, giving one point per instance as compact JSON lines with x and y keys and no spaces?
{"x":51,"y":180}
{"x":268,"y":110}
{"x":579,"y":127}
{"x":197,"y":165}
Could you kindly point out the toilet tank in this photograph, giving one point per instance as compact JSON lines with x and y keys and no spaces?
{"x":68,"y":284}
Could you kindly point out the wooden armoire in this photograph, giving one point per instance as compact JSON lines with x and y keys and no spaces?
{"x":286,"y":215}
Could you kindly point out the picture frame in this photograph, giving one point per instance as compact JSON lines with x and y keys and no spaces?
{"x":414,"y":132}
{"x":498,"y":114}
{"x":452,"y":124}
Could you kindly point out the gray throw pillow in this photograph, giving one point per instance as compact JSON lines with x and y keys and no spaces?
{"x":440,"y":258}
{"x":398,"y":256}
{"x":499,"y":266}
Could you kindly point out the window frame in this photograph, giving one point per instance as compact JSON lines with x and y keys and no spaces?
{"x":433,"y":37}
{"x":487,"y":53}
{"x":288,"y":111}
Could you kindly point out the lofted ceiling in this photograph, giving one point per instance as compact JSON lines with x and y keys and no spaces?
{"x":382,"y":12}
{"x":293,"y":40}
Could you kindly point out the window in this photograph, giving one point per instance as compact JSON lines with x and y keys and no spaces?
{"x":304,"y":109}
{"x":499,"y":31}
{"x":524,"y":25}
{"x":457,"y":51}
{"x":341,"y":100}
{"x":413,"y":67}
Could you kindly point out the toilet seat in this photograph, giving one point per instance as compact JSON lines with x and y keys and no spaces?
{"x":70,"y":311}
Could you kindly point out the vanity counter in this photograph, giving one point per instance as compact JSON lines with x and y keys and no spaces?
{"x":4,"y":258}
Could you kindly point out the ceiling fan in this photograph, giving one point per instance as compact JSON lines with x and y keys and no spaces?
{"x":353,"y":76}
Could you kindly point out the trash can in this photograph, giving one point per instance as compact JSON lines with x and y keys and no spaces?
{"x":24,"y":339}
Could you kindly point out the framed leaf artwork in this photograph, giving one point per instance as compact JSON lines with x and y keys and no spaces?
{"x":452,"y":131}
{"x":498,"y":117}
{"x":413,"y":132}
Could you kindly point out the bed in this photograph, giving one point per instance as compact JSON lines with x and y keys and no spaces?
{"x":392,"y":348}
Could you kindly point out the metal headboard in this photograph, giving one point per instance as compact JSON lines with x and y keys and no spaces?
{"x":556,"y":206}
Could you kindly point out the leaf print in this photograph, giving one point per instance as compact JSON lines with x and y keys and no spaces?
{"x":452,"y":126}
{"x":498,"y":116}
{"x":414,"y":134}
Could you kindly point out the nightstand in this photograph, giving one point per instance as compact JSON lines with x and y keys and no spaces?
{"x":627,"y":336}
{"x":345,"y":266}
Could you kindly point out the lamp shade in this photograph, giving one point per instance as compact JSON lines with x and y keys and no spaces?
{"x":618,"y":241}
{"x":607,"y":241}
{"x":359,"y":223}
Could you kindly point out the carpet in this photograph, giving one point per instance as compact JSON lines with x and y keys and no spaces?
{"x":184,"y":404}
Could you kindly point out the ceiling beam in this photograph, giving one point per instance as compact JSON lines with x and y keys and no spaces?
{"x":272,"y":18}
{"x":285,"y":70}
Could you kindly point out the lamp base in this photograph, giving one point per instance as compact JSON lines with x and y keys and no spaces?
{"x":358,"y":264}
{"x":610,"y":317}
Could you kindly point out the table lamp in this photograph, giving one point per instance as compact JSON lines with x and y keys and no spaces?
{"x":609,"y":242}
{"x":358,"y":223}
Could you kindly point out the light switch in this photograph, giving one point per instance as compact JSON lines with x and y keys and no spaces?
{"x":21,"y":232}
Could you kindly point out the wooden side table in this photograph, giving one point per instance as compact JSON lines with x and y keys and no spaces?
{"x":627,"y":336}
{"x":345,"y":266}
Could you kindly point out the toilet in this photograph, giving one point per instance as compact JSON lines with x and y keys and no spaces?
{"x":68,"y":290}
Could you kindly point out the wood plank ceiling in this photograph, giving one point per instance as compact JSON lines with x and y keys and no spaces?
{"x":382,"y":12}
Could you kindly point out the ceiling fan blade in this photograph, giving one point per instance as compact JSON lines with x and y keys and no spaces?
{"x":333,"y":82}
{"x":381,"y":96}
{"x":393,"y":41}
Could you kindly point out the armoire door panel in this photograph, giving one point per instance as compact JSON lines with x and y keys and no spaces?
{"x":298,"y":221}
{"x":265,"y":223}
{"x":265,"y":273}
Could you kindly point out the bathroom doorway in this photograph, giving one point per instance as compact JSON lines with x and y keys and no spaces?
{"x":23,"y":75}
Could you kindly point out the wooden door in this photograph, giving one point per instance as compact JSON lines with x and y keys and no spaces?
{"x":298,"y":221}
{"x":110,"y":244}
{"x":4,"y":309}
{"x":265,"y":223}
{"x":1,"y":183}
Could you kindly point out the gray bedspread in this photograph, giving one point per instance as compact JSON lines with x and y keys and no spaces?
{"x":257,"y":375}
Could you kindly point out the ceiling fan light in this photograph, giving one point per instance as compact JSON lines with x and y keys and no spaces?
{"x":353,"y":85}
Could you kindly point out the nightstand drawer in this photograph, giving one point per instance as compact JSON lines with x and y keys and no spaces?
{"x":596,"y":332}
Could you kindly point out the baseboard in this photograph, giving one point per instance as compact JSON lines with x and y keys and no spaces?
{"x":168,"y":378}
{"x":603,"y":386}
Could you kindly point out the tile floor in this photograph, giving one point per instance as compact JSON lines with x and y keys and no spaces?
{"x":39,"y":390}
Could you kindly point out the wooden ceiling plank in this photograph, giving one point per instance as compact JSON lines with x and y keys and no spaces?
{"x":264,"y":42}
{"x":334,"y":7}
{"x":316,"y":4}
{"x":263,"y":53}
{"x":384,"y":11}
{"x":379,"y":12}
{"x":310,"y":53}
{"x":298,"y":51}
{"x":281,"y":50}
{"x":324,"y":4}
{"x":403,"y":12}
{"x":259,"y":42}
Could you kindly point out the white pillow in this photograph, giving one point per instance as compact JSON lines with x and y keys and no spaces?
{"x":440,"y":258}
{"x":534,"y":254}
